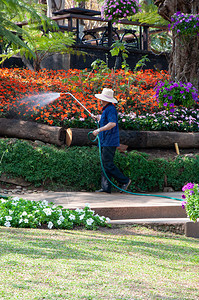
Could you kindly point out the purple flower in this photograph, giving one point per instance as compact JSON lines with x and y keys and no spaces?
{"x":188,"y":186}
{"x":184,"y":204}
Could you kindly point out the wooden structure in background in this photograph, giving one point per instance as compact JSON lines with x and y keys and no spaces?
{"x":78,"y":14}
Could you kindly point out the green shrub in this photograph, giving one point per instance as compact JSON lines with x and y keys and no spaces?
{"x":79,"y":167}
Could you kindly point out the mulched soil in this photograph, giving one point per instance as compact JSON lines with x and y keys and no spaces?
{"x":169,"y":153}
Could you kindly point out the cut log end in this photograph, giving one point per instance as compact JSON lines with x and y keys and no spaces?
{"x":69,"y":137}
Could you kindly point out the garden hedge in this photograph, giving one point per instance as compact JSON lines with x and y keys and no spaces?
{"x":78,"y":168}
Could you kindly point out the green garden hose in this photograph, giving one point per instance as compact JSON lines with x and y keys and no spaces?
{"x":4,"y":197}
{"x":138,"y":194}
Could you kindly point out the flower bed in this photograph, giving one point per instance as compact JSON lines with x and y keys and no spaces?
{"x":22,"y":213}
{"x":137,"y":106}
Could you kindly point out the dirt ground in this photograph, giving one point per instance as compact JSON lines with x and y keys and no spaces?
{"x":169,"y":153}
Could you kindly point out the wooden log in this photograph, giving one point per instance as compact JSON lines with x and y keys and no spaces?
{"x":32,"y":131}
{"x":139,"y":139}
{"x":79,"y":137}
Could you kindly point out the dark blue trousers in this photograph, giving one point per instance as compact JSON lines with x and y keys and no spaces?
{"x":111,"y":170}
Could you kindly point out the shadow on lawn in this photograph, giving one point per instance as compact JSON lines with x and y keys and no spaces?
{"x":50,"y":244}
{"x":54,"y":244}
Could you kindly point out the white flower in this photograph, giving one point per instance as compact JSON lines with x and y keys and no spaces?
{"x":50,"y":225}
{"x":26,"y":221}
{"x":102,"y":219}
{"x":7,"y":224}
{"x":108,"y":220}
{"x":45,"y":202}
{"x":61,"y":218}
{"x":24,"y":213}
{"x":89,"y":221}
{"x":2,"y":200}
{"x":82,"y":216}
{"x":48,"y":211}
{"x":54,"y":206}
{"x":72,"y":217}
{"x":8,"y":218}
{"x":10,"y":212}
{"x":20,"y":221}
{"x":92,"y":211}
{"x":79,"y":210}
{"x":15,"y":198}
{"x":59,"y":222}
{"x":87,"y":205}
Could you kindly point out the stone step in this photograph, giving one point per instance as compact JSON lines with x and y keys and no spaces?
{"x":141,"y":212}
{"x":150,"y":221}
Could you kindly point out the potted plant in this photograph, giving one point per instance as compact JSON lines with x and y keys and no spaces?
{"x":171,"y":94}
{"x":114,"y":10}
{"x":191,"y":204}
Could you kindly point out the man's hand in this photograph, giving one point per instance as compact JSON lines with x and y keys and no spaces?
{"x":96,"y":132}
{"x":96,"y":117}
{"x":108,"y":126}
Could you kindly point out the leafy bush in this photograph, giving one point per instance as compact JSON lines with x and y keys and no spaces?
{"x":79,"y":167}
{"x":184,"y":24}
{"x":171,"y":94}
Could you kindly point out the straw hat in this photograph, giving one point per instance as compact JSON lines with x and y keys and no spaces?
{"x":106,"y":95}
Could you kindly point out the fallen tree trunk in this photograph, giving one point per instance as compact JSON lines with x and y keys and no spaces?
{"x":32,"y":131}
{"x":79,"y":137}
{"x":139,"y":139}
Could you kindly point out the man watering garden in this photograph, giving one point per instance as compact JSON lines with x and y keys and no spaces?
{"x":109,"y":141}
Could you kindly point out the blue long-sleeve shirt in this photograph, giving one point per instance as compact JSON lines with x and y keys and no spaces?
{"x":109,"y":137}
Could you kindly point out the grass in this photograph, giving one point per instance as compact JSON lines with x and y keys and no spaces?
{"x":130,"y":262}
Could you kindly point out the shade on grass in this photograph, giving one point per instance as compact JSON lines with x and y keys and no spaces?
{"x":127,"y":263}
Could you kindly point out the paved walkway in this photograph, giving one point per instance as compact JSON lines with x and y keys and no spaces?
{"x":79,"y":199}
{"x":121,"y":204}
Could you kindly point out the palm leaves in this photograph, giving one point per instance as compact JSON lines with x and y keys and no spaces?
{"x":12,"y":12}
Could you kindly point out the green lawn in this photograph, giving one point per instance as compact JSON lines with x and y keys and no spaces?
{"x":124,"y":263}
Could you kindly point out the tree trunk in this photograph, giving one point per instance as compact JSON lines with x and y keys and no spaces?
{"x":138,"y":139}
{"x":32,"y":131}
{"x":55,"y":5}
{"x":79,"y":137}
{"x":184,"y":64}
